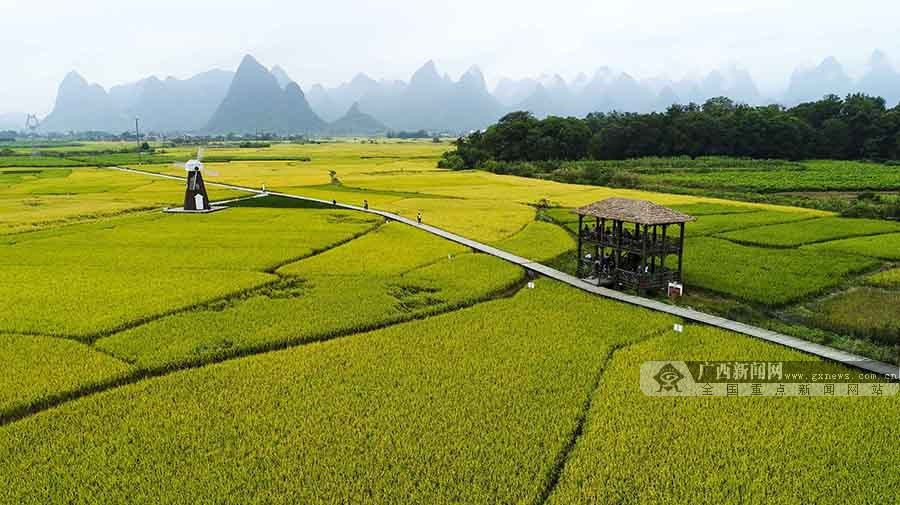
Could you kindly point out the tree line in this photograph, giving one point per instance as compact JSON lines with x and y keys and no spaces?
{"x":857,"y":127}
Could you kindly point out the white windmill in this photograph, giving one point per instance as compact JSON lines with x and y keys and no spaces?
{"x":195,"y":197}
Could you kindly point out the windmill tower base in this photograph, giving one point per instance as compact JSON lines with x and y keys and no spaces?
{"x":196,"y":201}
{"x":182,"y":210}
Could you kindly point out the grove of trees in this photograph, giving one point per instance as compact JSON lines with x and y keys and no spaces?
{"x":852,"y":128}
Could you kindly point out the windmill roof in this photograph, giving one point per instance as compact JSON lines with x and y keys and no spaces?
{"x":633,"y":211}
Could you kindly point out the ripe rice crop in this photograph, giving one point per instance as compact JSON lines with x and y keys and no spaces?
{"x":54,"y":197}
{"x":811,"y":231}
{"x":539,"y":241}
{"x":309,"y":308}
{"x":38,"y":161}
{"x":391,"y":249}
{"x":37,"y":368}
{"x":639,"y":449}
{"x":767,"y":276}
{"x":886,"y":279}
{"x":561,"y":215}
{"x":84,"y":301}
{"x":880,"y":246}
{"x":706,"y":209}
{"x":481,"y":220}
{"x":718,"y":223}
{"x":469,"y":407}
{"x":233,"y":239}
{"x":132,"y":268}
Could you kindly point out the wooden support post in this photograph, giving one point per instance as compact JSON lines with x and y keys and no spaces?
{"x":597,"y":249}
{"x":681,"y":252}
{"x":580,"y":253}
{"x":662,"y":258}
{"x":642,"y":275}
{"x":602,"y":240}
{"x":617,"y":237}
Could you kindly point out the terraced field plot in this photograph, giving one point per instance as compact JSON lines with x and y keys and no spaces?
{"x":867,"y":312}
{"x":718,"y":223}
{"x":37,"y":368}
{"x":811,"y":231}
{"x":134,"y":268}
{"x":424,"y":275}
{"x":879,"y":246}
{"x":721,"y":450}
{"x":767,"y":276}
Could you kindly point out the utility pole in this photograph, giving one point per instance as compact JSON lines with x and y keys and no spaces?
{"x":137,"y":140}
{"x":137,"y":134}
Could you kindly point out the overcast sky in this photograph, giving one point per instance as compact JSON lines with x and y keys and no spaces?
{"x":111,"y":42}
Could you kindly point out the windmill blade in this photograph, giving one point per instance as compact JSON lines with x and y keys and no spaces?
{"x":180,"y":165}
{"x":212,"y":173}
{"x":200,"y":152}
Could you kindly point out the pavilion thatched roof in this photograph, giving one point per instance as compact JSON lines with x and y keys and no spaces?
{"x":633,"y":211}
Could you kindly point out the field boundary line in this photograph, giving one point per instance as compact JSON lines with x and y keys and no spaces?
{"x":562,"y":459}
{"x":798,"y":246}
{"x":822,"y":351}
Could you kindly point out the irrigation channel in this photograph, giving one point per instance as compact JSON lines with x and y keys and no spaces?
{"x":846,"y":358}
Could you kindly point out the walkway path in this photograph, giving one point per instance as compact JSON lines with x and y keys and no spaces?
{"x":687,"y":314}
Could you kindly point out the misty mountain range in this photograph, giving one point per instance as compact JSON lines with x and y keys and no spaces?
{"x":256,"y":99}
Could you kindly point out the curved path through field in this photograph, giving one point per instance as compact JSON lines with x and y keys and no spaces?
{"x":822,"y":351}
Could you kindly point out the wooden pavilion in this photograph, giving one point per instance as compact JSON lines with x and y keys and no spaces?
{"x":633,"y":258}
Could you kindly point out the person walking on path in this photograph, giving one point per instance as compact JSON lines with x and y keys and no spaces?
{"x":366,"y":204}
{"x":419,"y":217}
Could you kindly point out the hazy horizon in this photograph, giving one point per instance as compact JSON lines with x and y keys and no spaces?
{"x":112,"y":43}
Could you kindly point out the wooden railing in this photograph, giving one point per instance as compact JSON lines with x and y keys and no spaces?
{"x":633,"y":244}
{"x":645,"y":280}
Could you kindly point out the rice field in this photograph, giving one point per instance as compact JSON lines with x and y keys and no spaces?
{"x":866,"y":312}
{"x":330,"y":305}
{"x":134,"y":268}
{"x":719,"y":223}
{"x":887,"y":279}
{"x":422,"y":412}
{"x":38,"y":368}
{"x":32,"y":200}
{"x":811,"y":231}
{"x":278,"y":352}
{"x":772,"y":277}
{"x":539,"y":241}
{"x":813,"y":176}
{"x":639,"y":449}
{"x":879,"y":246}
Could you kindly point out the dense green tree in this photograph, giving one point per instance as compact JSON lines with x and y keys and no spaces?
{"x":856,"y":127}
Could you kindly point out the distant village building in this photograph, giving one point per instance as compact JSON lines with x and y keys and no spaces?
{"x":614,"y":253}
